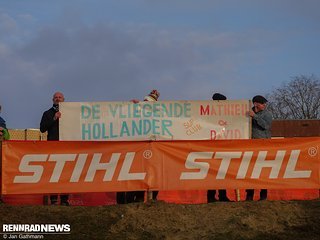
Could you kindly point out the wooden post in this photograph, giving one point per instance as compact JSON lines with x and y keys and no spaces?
{"x":237,"y":192}
{"x":149,"y":195}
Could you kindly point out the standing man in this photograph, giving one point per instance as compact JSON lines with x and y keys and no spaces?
{"x":211,"y":194}
{"x":50,"y":123}
{"x":4,"y":135}
{"x":261,"y":128}
{"x":138,"y":196}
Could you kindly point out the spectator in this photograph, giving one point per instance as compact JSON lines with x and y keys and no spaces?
{"x":261,"y":128}
{"x":4,"y":134}
{"x":211,"y":194}
{"x":50,"y":123}
{"x":138,"y":196}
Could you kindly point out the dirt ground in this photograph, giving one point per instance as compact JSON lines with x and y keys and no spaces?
{"x":294,"y":220}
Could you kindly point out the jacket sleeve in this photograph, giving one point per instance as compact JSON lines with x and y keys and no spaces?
{"x":6,"y":134}
{"x":263,"y":120}
{"x":2,"y":123}
{"x":46,"y":122}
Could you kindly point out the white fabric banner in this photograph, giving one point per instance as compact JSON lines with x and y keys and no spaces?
{"x":162,"y":120}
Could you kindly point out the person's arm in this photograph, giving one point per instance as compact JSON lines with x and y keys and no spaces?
{"x":4,"y":133}
{"x":2,"y":123}
{"x":264,"y":120}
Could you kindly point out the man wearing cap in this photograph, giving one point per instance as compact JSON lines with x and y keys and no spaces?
{"x":138,"y":196}
{"x":211,"y":194}
{"x":261,"y":128}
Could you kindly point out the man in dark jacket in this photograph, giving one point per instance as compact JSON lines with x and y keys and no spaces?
{"x":211,"y":194}
{"x":50,"y":123}
{"x":4,"y":134}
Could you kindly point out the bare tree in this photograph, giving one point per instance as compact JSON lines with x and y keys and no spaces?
{"x":297,"y":99}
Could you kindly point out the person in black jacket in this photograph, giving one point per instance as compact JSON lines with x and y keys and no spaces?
{"x":50,"y":123}
{"x":211,"y":194}
{"x":4,"y":134}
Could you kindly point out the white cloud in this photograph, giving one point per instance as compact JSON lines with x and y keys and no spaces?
{"x":7,"y":24}
{"x":110,"y":59}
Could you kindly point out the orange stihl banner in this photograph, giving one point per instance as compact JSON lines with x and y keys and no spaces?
{"x":69,"y":167}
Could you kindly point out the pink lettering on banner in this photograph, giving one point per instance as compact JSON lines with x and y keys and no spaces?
{"x":225,"y":134}
{"x":192,"y":127}
{"x":229,"y":109}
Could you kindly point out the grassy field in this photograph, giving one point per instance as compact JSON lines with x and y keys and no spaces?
{"x":294,"y":220}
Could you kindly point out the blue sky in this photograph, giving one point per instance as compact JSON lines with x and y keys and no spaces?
{"x":117,"y":50}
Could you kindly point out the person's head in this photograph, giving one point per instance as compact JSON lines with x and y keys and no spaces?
{"x":259,"y":102}
{"x":57,"y":98}
{"x":218,"y":96}
{"x":153,"y":96}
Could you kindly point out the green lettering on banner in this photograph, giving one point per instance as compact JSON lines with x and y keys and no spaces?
{"x":138,"y":120}
{"x":111,"y":131}
{"x":178,"y":110}
{"x":146,"y":126}
{"x":155,"y":126}
{"x":93,"y":112}
{"x":86,"y":131}
{"x":156,"y":110}
{"x":187,"y":110}
{"x":124,"y":129}
{"x":85,"y":112}
{"x":136,"y":130}
{"x":146,"y":110}
{"x":122,"y":113}
{"x":113,"y":109}
{"x":167,"y":112}
{"x":104,"y":132}
{"x":165,"y":124}
{"x":96,"y":111}
{"x":136,"y":111}
{"x":96,"y":131}
{"x":99,"y":131}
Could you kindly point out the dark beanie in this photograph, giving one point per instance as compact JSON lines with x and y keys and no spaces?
{"x":259,"y":99}
{"x":218,"y":96}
